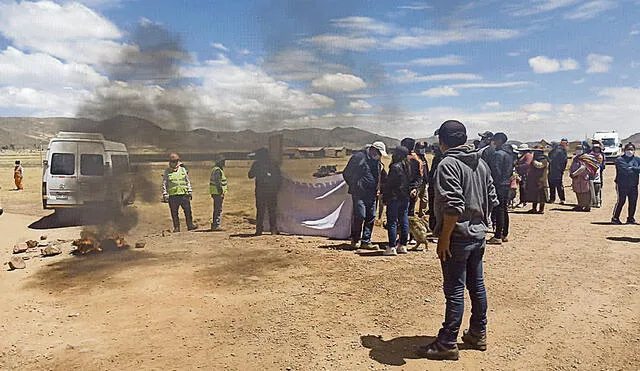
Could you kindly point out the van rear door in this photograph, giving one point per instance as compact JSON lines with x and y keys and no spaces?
{"x":91,"y":172}
{"x":62,"y":180}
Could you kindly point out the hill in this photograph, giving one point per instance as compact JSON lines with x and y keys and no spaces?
{"x":144,"y":136}
{"x":635,"y":138}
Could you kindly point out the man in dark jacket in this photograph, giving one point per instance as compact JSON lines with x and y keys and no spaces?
{"x":416,"y":173}
{"x":557,"y":167}
{"x":268,"y":181}
{"x":362,"y":175}
{"x":437,"y":157}
{"x":501,"y":165}
{"x":396,"y":187}
{"x":627,"y":178}
{"x":464,"y":198}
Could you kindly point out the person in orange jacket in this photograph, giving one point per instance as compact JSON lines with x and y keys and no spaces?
{"x":18,"y":175}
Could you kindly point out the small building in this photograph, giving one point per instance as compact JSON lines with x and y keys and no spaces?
{"x":336,"y":152}
{"x":304,"y":152}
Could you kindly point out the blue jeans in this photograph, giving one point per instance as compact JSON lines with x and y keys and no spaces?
{"x":464,"y":267}
{"x":217,"y":209}
{"x":364,"y":215}
{"x":397,"y":215}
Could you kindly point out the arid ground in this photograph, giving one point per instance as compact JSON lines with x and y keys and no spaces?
{"x":563,"y":293}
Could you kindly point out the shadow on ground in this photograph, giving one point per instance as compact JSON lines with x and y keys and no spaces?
{"x":396,"y":351}
{"x":77,"y":218}
{"x":624,"y":239}
{"x":86,"y":271}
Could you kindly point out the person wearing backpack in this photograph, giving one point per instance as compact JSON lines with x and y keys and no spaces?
{"x":362,"y":175}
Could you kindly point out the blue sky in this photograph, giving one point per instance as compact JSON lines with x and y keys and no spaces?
{"x":541,"y":68}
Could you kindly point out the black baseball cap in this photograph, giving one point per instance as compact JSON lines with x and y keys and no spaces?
{"x":486,"y":135}
{"x":452,"y":133}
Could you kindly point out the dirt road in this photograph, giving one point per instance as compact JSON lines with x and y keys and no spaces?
{"x":563,"y":295}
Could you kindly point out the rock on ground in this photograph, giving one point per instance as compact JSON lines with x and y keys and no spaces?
{"x":50,"y":251}
{"x":16,"y":262}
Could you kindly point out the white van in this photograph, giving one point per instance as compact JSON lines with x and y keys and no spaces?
{"x":84,"y":169}
{"x":611,"y":144}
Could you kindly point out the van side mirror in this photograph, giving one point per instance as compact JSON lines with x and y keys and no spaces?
{"x":45,"y":163}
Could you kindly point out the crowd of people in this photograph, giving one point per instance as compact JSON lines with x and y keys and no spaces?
{"x":468,"y":190}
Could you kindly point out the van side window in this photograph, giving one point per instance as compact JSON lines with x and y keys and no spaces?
{"x":91,"y":165}
{"x":63,"y":164}
{"x":119,"y":164}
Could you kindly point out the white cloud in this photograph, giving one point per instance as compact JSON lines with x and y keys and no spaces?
{"x":363,"y":34}
{"x":360,"y":96}
{"x":339,"y":82}
{"x":542,"y":6}
{"x":454,"y":89}
{"x":415,"y":6}
{"x":634,"y":33}
{"x":39,"y":70}
{"x":363,"y":25}
{"x":514,"y":54}
{"x":491,"y":85}
{"x":70,"y":31}
{"x":492,"y":104}
{"x":408,"y":76}
{"x":299,"y":65}
{"x":447,"y":60}
{"x":41,"y":103}
{"x":590,"y":10}
{"x":538,"y":107}
{"x":422,"y":38}
{"x":543,"y":64}
{"x":443,"y":91}
{"x":599,"y":63}
{"x":220,"y":46}
{"x":339,"y":43}
{"x":359,"y":105}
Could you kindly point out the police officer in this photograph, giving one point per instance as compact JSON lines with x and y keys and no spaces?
{"x":176,"y":190}
{"x":218,"y":188}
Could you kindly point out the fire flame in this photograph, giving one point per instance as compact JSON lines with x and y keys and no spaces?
{"x":94,"y":241}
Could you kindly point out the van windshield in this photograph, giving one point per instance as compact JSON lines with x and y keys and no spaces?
{"x":609,"y":142}
{"x":63,"y":164}
{"x":91,"y":165}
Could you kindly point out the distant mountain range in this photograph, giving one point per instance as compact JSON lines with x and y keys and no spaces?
{"x":144,"y":136}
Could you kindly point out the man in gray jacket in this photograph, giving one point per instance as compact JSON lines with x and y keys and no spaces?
{"x":464,"y":198}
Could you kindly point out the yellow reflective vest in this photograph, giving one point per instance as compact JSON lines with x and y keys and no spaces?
{"x":177,"y":182}
{"x":218,"y":181}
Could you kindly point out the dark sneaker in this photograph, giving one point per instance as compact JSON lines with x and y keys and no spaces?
{"x":438,"y":352}
{"x":474,"y":341}
{"x":192,"y":227}
{"x":615,"y":221}
{"x":494,"y":241}
{"x":631,"y":221}
{"x":176,"y":230}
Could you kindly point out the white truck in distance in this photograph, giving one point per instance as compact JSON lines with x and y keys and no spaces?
{"x":84,"y":169}
{"x":611,"y":144}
